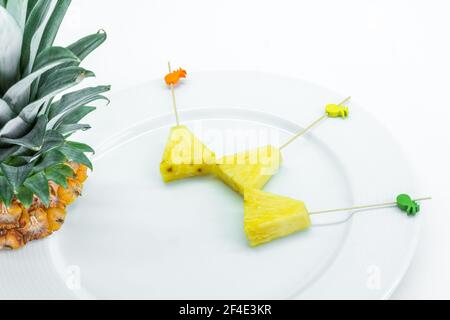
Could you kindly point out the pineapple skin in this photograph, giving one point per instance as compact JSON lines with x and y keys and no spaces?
{"x":249,"y":170}
{"x":185,"y":156}
{"x":268,"y":217}
{"x":19,"y":226}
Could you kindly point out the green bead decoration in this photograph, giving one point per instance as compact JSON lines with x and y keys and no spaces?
{"x":408,"y":205}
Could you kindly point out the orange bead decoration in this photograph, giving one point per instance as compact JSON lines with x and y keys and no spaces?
{"x":173,"y":78}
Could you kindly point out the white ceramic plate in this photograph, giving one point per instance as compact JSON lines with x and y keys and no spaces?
{"x":132,"y":236}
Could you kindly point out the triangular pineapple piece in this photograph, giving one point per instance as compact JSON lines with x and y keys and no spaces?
{"x":250,"y":169}
{"x":268,"y":217}
{"x":185,"y":156}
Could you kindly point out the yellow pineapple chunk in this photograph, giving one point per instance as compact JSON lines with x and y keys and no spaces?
{"x":250,"y":169}
{"x":268,"y":217}
{"x":185,"y":156}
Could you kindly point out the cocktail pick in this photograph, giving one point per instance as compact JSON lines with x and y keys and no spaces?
{"x":268,"y":217}
{"x":185,"y":155}
{"x":172,"y":79}
{"x":331,"y":111}
{"x":404,"y":202}
{"x":254,"y":168}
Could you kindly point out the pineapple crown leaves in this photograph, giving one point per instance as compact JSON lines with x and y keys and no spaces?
{"x":34,"y":126}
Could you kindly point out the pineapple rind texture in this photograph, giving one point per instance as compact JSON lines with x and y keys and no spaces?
{"x":249,"y":170}
{"x":268,"y":217}
{"x":185,"y":156}
{"x":19,"y":225}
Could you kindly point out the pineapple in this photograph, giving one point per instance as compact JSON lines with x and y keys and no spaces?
{"x":41,"y":170}
{"x":56,"y":217}
{"x":268,"y":217}
{"x":250,"y":169}
{"x":11,"y":239}
{"x":185,"y":156}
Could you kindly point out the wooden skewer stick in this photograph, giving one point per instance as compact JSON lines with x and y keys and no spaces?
{"x":312,"y":125}
{"x":345,"y":101}
{"x":172,"y":89}
{"x":373,"y":206}
{"x":303,"y":132}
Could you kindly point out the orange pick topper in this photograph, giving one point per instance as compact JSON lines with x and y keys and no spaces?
{"x":174,"y":78}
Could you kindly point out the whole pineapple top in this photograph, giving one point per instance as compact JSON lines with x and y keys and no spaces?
{"x":34,"y":125}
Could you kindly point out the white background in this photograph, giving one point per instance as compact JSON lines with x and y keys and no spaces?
{"x":392,"y":56}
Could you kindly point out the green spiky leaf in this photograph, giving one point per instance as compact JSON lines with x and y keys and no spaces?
{"x":47,"y":60}
{"x":34,"y":139}
{"x":59,"y":174}
{"x":11,"y":44}
{"x":54,"y":54}
{"x":8,"y":151}
{"x":53,"y":24}
{"x":15,"y":128}
{"x":24,"y":152}
{"x":18,"y":9}
{"x":38,"y":184}
{"x":83,"y":47}
{"x":6,"y":191}
{"x":52,"y":140}
{"x":6,"y":113}
{"x":18,"y":160}
{"x":31,"y":5}
{"x":16,"y":175}
{"x":75,"y":99}
{"x":75,"y":116}
{"x":69,"y":129}
{"x":49,"y":54}
{"x":50,"y":159}
{"x":62,"y":80}
{"x":63,"y":169}
{"x":80,"y":146}
{"x":76,"y":156}
{"x":18,"y":95}
{"x":25,"y":196}
{"x":34,"y":29}
{"x":57,"y":178}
